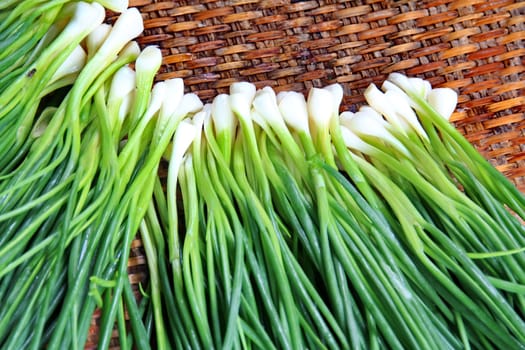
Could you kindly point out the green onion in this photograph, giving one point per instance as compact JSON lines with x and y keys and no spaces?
{"x":280,"y":222}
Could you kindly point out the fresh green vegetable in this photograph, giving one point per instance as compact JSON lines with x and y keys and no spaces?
{"x":73,"y":200}
{"x":385,"y":250}
{"x":276,"y":222}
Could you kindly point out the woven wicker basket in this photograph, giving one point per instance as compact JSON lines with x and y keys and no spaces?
{"x":476,"y":47}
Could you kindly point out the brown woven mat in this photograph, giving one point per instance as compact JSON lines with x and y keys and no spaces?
{"x":474,"y":46}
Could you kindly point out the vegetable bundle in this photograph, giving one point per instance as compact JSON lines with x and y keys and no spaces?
{"x":84,"y":134}
{"x":305,"y":228}
{"x":282,"y":223}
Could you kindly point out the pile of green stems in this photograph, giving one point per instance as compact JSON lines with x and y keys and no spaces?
{"x":74,"y":184}
{"x":283,"y":240}
{"x":259,"y":237}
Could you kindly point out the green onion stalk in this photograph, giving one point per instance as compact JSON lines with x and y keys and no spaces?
{"x":102,"y":200}
{"x":67,"y":208}
{"x":231,"y":235}
{"x":223,"y":312}
{"x":392,"y":337}
{"x":434,"y":107}
{"x":414,"y":166}
{"x":35,"y":189}
{"x":61,"y":57}
{"x":266,"y":233}
{"x":355,"y":230}
{"x":117,"y":39}
{"x":27,"y":27}
{"x":140,"y":190}
{"x":464,"y":298}
{"x":483,"y":225}
{"x":189,"y":290}
{"x":168,"y":120}
{"x":270,"y":111}
{"x":351,"y":250}
{"x":464,"y":221}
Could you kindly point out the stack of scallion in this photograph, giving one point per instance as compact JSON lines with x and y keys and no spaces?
{"x":282,"y":223}
{"x":83,"y":135}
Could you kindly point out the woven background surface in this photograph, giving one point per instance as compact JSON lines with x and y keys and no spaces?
{"x":476,"y":47}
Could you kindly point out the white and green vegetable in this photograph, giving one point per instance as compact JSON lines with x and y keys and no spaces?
{"x":268,"y":221}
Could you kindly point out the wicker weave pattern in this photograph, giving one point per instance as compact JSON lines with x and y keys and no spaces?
{"x":474,"y":46}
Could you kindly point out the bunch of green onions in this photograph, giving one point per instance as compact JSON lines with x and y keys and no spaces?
{"x":282,"y":223}
{"x":299,"y":227}
{"x":84,"y":134}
